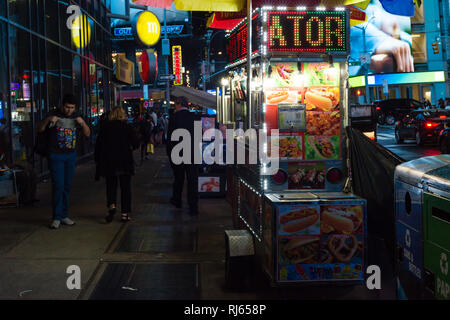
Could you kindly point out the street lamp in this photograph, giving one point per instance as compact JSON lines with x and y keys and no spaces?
{"x":365,"y":52}
{"x":207,"y":66}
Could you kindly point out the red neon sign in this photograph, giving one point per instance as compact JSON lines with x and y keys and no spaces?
{"x":177,"y":65}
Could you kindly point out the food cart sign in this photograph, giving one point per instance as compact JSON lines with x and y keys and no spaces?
{"x":316,"y":31}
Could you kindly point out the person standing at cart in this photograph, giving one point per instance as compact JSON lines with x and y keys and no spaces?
{"x":183,"y":119}
{"x":62,"y":126}
{"x":114,"y":158}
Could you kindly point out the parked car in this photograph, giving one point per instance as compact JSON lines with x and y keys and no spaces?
{"x":391,"y":110}
{"x":444,"y":139}
{"x":422,"y":126}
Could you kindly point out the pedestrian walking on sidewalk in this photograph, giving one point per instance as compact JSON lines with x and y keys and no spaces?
{"x":114,"y":159}
{"x":183,"y":119}
{"x":145,"y":130}
{"x":62,"y":126}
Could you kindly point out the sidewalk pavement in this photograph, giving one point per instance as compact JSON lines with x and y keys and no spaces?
{"x":163,"y":253}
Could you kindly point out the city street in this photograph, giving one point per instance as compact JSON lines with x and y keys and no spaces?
{"x":408,"y":150}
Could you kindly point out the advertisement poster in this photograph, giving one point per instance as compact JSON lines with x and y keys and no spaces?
{"x":295,"y":219}
{"x":285,"y":74}
{"x":322,"y":98}
{"x":322,"y":147}
{"x":386,"y":38}
{"x":298,"y":250}
{"x":340,"y":219}
{"x":334,"y":252}
{"x":290,"y":145}
{"x":321,"y":74}
{"x":323,"y":123}
{"x":291,"y":116}
{"x":208,"y":184}
{"x":306,"y":175}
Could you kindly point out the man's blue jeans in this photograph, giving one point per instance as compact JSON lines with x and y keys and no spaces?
{"x":62,"y":168}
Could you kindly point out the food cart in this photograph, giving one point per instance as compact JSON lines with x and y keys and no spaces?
{"x":422,"y":197}
{"x":305,"y":228}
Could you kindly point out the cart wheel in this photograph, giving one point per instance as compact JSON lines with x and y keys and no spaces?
{"x":238,"y":259}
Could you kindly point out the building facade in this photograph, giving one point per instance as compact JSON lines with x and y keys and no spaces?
{"x":46,"y":52}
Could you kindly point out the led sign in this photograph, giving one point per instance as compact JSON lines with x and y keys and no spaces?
{"x":237,"y":41}
{"x":307,"y":31}
{"x":177,"y":65}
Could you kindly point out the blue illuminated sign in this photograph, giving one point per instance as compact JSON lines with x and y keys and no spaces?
{"x":172,"y":29}
{"x":120,"y":32}
{"x":128,"y":31}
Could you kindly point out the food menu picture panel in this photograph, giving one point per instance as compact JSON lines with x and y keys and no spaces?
{"x":304,"y":99}
{"x":334,"y":251}
{"x":290,"y":146}
{"x":306,"y":175}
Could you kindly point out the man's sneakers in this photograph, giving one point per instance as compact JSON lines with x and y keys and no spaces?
{"x":56,"y":223}
{"x":67,"y":222}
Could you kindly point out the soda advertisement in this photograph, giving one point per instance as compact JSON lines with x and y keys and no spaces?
{"x":321,"y":242}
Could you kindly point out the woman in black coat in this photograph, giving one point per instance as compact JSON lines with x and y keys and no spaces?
{"x":114,"y":159}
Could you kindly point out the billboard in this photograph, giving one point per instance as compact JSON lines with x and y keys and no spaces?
{"x":383,"y":43}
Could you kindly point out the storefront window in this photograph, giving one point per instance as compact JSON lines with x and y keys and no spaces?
{"x":3,"y":8}
{"x":66,"y":34}
{"x":5,"y":147}
{"x":66,"y":72}
{"x":18,"y":11}
{"x":54,"y":93}
{"x":51,"y":19}
{"x":22,"y":134}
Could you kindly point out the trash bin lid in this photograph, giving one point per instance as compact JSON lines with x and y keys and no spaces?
{"x":412,"y":172}
{"x":439,"y":178}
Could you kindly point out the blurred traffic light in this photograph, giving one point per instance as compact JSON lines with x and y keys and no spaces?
{"x":435,"y":47}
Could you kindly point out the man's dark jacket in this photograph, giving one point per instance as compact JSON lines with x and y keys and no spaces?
{"x":182,"y":119}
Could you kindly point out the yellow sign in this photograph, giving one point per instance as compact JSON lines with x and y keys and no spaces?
{"x":148,"y":28}
{"x":81,"y":32}
{"x":124,"y":69}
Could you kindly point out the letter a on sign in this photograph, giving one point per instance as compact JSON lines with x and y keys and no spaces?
{"x":374,"y":281}
{"x":74,"y":281}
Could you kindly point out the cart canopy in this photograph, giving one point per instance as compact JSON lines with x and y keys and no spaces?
{"x":195,"y":96}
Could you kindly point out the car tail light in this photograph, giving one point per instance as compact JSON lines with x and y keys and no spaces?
{"x":378,"y":108}
{"x":429,"y":135}
{"x":442,"y":117}
{"x":431,"y":125}
{"x":334,"y":175}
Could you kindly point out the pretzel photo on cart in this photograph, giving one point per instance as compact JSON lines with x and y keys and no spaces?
{"x":343,"y":247}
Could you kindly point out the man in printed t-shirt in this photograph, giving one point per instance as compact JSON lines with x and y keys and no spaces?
{"x":62,"y":125}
